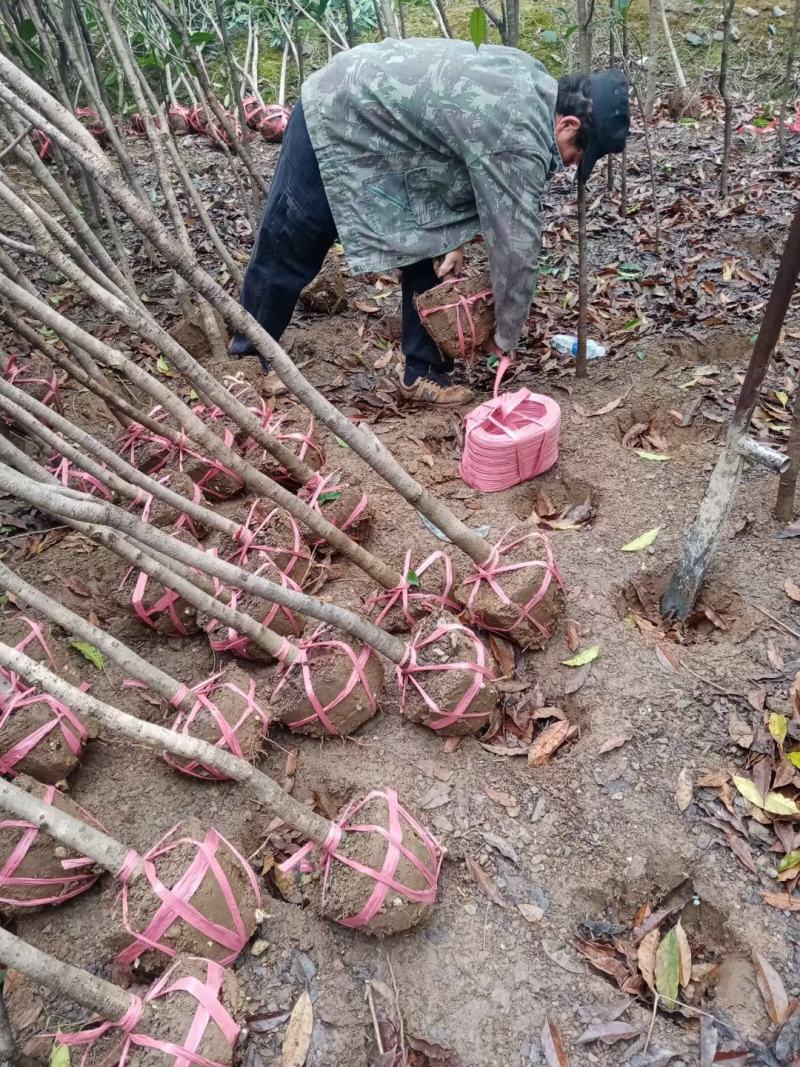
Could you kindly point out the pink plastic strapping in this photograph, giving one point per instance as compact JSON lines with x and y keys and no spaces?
{"x":310,"y":649}
{"x":35,"y":633}
{"x":405,"y":593}
{"x":510,"y":439}
{"x":274,"y":122}
{"x":409,"y":670}
{"x":62,"y":719}
{"x":225,"y":639}
{"x":92,"y":121}
{"x":69,"y":885}
{"x":463,"y":305}
{"x":176,"y":901}
{"x":228,"y":739}
{"x":163,"y":607}
{"x":19,"y":376}
{"x":494,"y":568}
{"x":247,"y":539}
{"x":385,"y":878}
{"x":209,"y":1008}
{"x":73,"y":477}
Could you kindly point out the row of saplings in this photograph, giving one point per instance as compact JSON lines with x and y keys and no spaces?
{"x":193,"y":894}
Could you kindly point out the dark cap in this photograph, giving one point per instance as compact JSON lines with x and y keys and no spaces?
{"x":611,"y":118}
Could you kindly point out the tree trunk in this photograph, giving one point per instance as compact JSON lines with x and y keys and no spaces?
{"x":724,"y":92}
{"x":784,"y":505}
{"x":654,"y":19}
{"x":788,"y":81}
{"x":585,"y":35}
{"x":583,"y":283}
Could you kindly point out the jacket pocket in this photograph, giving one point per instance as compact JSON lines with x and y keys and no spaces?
{"x":440,"y":194}
{"x":383,"y":204}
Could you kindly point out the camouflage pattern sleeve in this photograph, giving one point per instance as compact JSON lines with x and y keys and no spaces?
{"x":508,"y":187}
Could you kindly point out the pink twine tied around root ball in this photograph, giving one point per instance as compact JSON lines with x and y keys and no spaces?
{"x":311,"y":649}
{"x":408,"y":590}
{"x":229,"y":732}
{"x":318,"y":487}
{"x":494,"y":568}
{"x":410,"y":668}
{"x":385,"y":878}
{"x":75,"y":880}
{"x":510,"y":439}
{"x":209,"y":1008}
{"x":62,"y":719}
{"x":463,"y":308}
{"x":176,"y":903}
{"x":36,"y":634}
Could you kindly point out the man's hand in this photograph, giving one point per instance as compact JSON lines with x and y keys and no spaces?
{"x":452,"y":263}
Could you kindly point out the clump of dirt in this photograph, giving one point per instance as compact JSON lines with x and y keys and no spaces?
{"x":347,"y":511}
{"x":297,"y":431}
{"x":348,"y":891}
{"x":169,"y":1019}
{"x":326,"y":294}
{"x":42,"y":861}
{"x":528,"y":627}
{"x":447,"y":688}
{"x":242,"y":714}
{"x":191,"y":336}
{"x":50,"y":758}
{"x":337,"y":687}
{"x":423,"y":599}
{"x":683,"y":103}
{"x":208,"y":899}
{"x":448,"y":322}
{"x":213,"y":477}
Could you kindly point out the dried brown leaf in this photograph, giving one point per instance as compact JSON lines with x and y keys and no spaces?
{"x":684,"y":790}
{"x":614,"y":742}
{"x":741,"y":852}
{"x":503,"y":652}
{"x":572,"y":637}
{"x":646,"y":956}
{"x":667,"y":658}
{"x":603,"y":958}
{"x":740,"y":731}
{"x":775,"y":658}
{"x":297,"y":1041}
{"x":792,"y":589}
{"x":684,"y":955}
{"x":713,"y":780}
{"x":784,"y":901}
{"x":552,"y":1045}
{"x":604,"y":410}
{"x":484,"y":882}
{"x":549,"y":741}
{"x":577,"y":679}
{"x":776,"y":999}
{"x":609,"y":1033}
{"x":76,"y":586}
{"x":531,"y":912}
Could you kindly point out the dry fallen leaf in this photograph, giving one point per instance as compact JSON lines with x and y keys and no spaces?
{"x":646,"y":956}
{"x":784,"y":901}
{"x":740,"y":731}
{"x":614,"y":742}
{"x":741,"y":851}
{"x":792,"y":589}
{"x":530,"y":912}
{"x":772,"y":989}
{"x":553,"y":1046}
{"x":548,"y":741}
{"x":297,"y":1041}
{"x":484,"y":882}
{"x":609,"y":1032}
{"x":684,"y":790}
{"x":684,"y":955}
{"x":604,"y":410}
{"x":572,"y":637}
{"x":668,"y":659}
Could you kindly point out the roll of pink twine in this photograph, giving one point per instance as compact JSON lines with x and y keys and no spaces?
{"x":510,"y":439}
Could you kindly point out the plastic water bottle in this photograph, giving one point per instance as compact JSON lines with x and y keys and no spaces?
{"x":568,"y":344}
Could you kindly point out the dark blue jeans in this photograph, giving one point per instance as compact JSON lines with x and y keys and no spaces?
{"x":295,"y":235}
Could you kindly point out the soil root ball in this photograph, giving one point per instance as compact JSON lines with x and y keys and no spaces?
{"x":332,"y":689}
{"x":185,"y":1017}
{"x":296,"y":430}
{"x":344,"y":506}
{"x":459,"y":315}
{"x":425,"y":588}
{"x":162,"y":609}
{"x":518,"y":593}
{"x":164,"y":515}
{"x":446,"y":679}
{"x":326,"y":293}
{"x":34,"y":869}
{"x":207,"y":878}
{"x":226,"y":713}
{"x":270,"y":534}
{"x":380,"y":867}
{"x":37,"y":376}
{"x":39,"y":736}
{"x":38,"y":642}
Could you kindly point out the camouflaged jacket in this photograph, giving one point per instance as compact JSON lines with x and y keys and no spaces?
{"x":424,"y":143}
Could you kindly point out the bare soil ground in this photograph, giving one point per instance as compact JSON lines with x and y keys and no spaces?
{"x":592,"y":835}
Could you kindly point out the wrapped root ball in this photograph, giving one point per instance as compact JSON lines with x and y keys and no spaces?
{"x":382,"y":875}
{"x":269,"y":534}
{"x":447,"y":679}
{"x":35,"y":870}
{"x":296,"y":430}
{"x":226,"y":713}
{"x":36,"y":640}
{"x":459,"y":315}
{"x":212,"y":883}
{"x":344,"y":506}
{"x":331,"y":689}
{"x":39,"y":736}
{"x":185,"y":1017}
{"x":518,"y":593}
{"x":36,"y":376}
{"x":274,"y":120}
{"x":426,"y":588}
{"x":162,"y":609}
